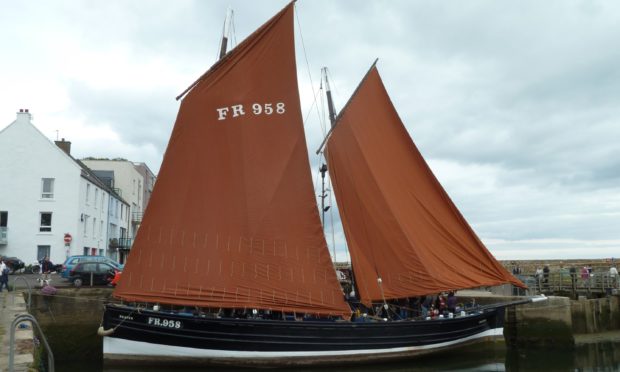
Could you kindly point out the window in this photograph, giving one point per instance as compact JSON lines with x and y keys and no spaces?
{"x":86,"y":251}
{"x":47,"y":188}
{"x":96,"y":197}
{"x":85,"y":224}
{"x":94,"y":227}
{"x":89,"y":267}
{"x":102,"y":199}
{"x":45,"y":222}
{"x":100,"y":228}
{"x":87,"y":192}
{"x":43,"y":251}
{"x":4,"y":219}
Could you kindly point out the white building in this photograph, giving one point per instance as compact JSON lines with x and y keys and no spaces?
{"x":47,"y":196}
{"x":133,"y":181}
{"x":149,"y":182}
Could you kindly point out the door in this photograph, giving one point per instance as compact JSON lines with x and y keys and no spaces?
{"x":43,"y":251}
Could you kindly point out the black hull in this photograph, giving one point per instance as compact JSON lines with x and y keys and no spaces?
{"x":147,"y":336}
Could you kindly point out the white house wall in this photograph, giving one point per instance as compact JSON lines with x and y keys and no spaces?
{"x":27,"y":156}
{"x":127,"y":179}
{"x":92,"y":214}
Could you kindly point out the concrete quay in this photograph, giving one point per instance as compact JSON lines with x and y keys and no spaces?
{"x":11,"y":305}
{"x":561,"y":321}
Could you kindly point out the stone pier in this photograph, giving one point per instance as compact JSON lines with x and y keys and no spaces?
{"x":558,"y":321}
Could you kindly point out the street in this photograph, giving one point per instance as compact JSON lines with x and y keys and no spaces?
{"x":20,"y":280}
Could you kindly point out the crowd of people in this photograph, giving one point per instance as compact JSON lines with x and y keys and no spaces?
{"x":579,"y":276}
{"x":442,"y":305}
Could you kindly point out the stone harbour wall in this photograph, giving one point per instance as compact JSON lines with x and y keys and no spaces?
{"x":595,"y":316}
{"x":70,"y":320}
{"x":555,"y":322}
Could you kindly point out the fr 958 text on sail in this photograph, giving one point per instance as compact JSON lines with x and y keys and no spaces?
{"x":254,"y":109}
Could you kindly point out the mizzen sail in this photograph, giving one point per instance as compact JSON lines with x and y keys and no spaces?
{"x":400,"y":224}
{"x":233,"y":221}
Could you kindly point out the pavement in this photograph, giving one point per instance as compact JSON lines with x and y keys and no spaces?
{"x":33,"y":280}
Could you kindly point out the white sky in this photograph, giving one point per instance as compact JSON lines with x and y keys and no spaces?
{"x":515,"y":105}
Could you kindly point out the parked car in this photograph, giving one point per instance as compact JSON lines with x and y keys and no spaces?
{"x":14,"y":264}
{"x":99,"y":272}
{"x":70,"y":263}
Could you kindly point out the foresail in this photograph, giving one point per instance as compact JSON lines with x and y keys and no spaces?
{"x":399,"y":223}
{"x":233,"y":222}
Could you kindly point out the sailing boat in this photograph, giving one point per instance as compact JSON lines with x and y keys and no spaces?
{"x":231,"y":266}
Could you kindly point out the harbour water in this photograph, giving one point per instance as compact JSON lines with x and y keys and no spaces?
{"x":591,"y":355}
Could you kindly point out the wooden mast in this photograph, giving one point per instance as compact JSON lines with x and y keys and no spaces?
{"x":330,"y":102}
{"x":337,"y":117}
{"x":225,"y":32}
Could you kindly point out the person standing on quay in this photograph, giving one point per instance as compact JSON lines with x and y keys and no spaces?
{"x":4,"y":275}
{"x":585,"y":276}
{"x":573,"y":278}
{"x":613,"y":276}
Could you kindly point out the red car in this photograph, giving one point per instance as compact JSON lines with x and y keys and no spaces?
{"x":116,"y":278}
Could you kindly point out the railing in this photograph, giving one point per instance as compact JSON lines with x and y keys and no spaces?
{"x":120,"y":243}
{"x":18,"y":319}
{"x":598,"y":282}
{"x":136,"y":217}
{"x":124,"y":243}
{"x":29,"y":290}
{"x":4,"y":235}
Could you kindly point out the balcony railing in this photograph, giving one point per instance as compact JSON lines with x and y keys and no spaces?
{"x":136,"y":217}
{"x":4,"y":235}
{"x":125,"y":243}
{"x":120,"y":243}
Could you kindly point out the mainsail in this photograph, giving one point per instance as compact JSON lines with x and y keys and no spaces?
{"x":405,"y":236}
{"x":233,"y":221}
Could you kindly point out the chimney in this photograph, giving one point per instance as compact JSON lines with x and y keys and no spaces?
{"x":64,"y":145}
{"x":24,"y":115}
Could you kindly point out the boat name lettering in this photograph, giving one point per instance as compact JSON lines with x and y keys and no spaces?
{"x":125,"y":317}
{"x":165,"y":323}
{"x":255,"y":109}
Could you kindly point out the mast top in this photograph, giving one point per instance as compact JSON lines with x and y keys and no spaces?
{"x":336,"y":118}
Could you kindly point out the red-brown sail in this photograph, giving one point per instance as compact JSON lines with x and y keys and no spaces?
{"x":400,"y":224}
{"x":233,"y":221}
